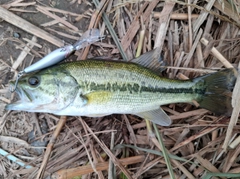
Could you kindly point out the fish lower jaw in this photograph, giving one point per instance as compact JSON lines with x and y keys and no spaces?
{"x":19,"y":105}
{"x":24,"y":106}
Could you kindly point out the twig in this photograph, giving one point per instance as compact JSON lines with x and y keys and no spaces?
{"x":35,"y":120}
{"x":28,"y":27}
{"x":22,"y":4}
{"x":232,"y":159}
{"x":193,"y":137}
{"x":60,"y":11}
{"x":85,"y":147}
{"x":135,"y":25}
{"x":183,"y":115}
{"x":109,"y":153}
{"x":234,"y":16}
{"x":72,"y":172}
{"x":22,"y":10}
{"x":165,"y":152}
{"x":32,"y":42}
{"x":202,"y":17}
{"x":193,"y":47}
{"x":190,"y":25}
{"x":228,"y":10}
{"x":24,"y":53}
{"x":14,"y":159}
{"x":183,"y":169}
{"x":111,"y":167}
{"x":8,"y":5}
{"x":52,"y":22}
{"x":140,"y":44}
{"x":94,"y":21}
{"x":14,"y":140}
{"x":50,"y":145}
{"x":64,"y":34}
{"x":235,"y":113}
{"x":164,"y":21}
{"x":177,"y":16}
{"x":130,"y":130}
{"x":235,"y":143}
{"x":206,"y":163}
{"x":66,"y":23}
{"x":218,"y":55}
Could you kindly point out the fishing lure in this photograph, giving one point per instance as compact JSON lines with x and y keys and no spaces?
{"x":56,"y":56}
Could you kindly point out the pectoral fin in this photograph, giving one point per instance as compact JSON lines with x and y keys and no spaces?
{"x":151,"y":60}
{"x":157,"y":116}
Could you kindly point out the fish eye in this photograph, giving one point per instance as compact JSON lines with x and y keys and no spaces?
{"x":34,"y":81}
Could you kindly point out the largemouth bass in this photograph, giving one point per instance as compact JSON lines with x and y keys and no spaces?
{"x":99,"y":88}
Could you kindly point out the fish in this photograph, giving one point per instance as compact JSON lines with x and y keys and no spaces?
{"x":97,"y":88}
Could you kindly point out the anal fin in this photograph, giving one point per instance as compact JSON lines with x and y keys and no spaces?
{"x":157,"y":116}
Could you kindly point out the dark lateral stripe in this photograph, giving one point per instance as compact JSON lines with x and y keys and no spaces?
{"x":137,"y":89}
{"x":175,"y":90}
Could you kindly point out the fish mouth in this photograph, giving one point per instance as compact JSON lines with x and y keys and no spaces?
{"x":23,"y":95}
{"x":23,"y":101}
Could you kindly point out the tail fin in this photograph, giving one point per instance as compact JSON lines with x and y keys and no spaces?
{"x":217,"y":93}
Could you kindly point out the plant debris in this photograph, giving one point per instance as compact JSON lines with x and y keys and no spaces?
{"x":193,"y":37}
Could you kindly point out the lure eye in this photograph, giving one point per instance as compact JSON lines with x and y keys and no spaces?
{"x":34,"y":81}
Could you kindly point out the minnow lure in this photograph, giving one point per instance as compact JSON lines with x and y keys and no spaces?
{"x":56,"y":56}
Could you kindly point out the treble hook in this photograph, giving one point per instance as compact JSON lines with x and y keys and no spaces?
{"x":89,"y":37}
{"x":21,"y":73}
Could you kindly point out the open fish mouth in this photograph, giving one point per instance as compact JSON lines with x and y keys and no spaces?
{"x":23,"y":95}
{"x":23,"y":101}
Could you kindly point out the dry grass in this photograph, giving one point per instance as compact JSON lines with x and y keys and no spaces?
{"x":195,"y":38}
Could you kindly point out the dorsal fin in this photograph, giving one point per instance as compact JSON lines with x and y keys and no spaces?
{"x":152,"y":60}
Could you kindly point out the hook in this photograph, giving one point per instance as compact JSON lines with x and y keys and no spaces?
{"x":89,"y":37}
{"x":21,"y":73}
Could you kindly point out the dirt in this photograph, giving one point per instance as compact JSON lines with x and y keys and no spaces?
{"x":20,"y":124}
{"x":7,"y":31}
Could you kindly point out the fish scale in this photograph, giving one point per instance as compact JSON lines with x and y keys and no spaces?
{"x":139,"y":88}
{"x":101,"y":87}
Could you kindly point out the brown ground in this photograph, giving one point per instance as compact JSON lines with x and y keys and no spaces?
{"x":197,"y":137}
